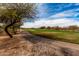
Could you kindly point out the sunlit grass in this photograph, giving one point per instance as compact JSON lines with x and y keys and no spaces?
{"x":67,"y":36}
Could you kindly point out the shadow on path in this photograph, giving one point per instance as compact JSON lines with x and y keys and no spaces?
{"x":27,"y":44}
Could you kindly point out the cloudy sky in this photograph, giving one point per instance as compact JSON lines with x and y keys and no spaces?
{"x":55,"y":14}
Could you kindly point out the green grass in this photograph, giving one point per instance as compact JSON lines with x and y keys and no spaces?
{"x":67,"y":36}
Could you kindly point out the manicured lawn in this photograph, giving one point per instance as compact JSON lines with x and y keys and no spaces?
{"x":67,"y":36}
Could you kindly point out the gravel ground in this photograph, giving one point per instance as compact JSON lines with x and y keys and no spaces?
{"x":26,"y":44}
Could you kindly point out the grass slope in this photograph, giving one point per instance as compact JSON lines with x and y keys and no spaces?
{"x":66,"y":36}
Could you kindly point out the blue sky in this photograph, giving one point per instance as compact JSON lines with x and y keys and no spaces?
{"x":46,"y":10}
{"x":56,"y":14}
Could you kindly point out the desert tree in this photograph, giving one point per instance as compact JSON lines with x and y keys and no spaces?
{"x":13,"y":13}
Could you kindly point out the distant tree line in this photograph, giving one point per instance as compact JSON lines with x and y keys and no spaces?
{"x":71,"y":28}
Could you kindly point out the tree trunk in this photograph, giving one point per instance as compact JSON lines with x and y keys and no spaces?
{"x":6,"y":29}
{"x":14,"y":30}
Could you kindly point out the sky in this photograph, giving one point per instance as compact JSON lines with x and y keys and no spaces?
{"x":55,"y":14}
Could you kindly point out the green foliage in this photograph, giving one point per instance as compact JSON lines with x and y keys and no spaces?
{"x":11,"y":14}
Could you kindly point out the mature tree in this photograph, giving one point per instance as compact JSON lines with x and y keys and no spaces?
{"x":15,"y":12}
{"x":43,"y":27}
{"x":73,"y":27}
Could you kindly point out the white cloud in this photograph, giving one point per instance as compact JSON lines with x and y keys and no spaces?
{"x":56,"y":22}
{"x":77,"y":4}
{"x":67,"y":13}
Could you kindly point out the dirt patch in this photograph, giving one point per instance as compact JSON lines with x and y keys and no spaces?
{"x":29,"y":45}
